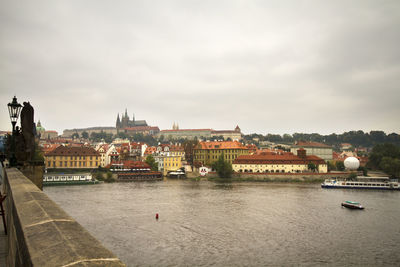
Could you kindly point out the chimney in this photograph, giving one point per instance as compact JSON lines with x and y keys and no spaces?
{"x":301,"y":153}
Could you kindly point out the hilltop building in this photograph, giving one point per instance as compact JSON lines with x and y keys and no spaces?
{"x":43,"y":134}
{"x":90,"y":130}
{"x":176,"y":133}
{"x":125,"y":122}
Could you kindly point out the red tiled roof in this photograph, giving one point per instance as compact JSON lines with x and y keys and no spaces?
{"x":277,"y":159}
{"x":150,"y":150}
{"x":73,"y":151}
{"x":46,"y":148}
{"x":221,"y":145}
{"x":176,"y":148}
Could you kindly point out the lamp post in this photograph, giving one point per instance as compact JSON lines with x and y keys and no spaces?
{"x":14,"y":109}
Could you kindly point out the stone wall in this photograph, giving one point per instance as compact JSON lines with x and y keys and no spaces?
{"x":290,"y":176}
{"x":109,"y":130}
{"x":40,"y":233}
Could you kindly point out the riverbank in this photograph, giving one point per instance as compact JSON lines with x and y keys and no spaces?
{"x":275,"y":178}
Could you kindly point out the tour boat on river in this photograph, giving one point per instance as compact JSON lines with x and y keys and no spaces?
{"x":362,"y":182}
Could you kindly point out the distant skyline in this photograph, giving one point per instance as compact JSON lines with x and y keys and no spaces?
{"x":268,"y":66}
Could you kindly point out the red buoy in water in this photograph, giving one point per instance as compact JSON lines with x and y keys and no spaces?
{"x":156,"y":216}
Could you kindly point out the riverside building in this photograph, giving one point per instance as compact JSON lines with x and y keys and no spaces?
{"x":279,"y":163}
{"x":208,"y":152}
{"x":72,"y":158}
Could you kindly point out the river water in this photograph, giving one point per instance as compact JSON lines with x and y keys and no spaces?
{"x":205,"y":223}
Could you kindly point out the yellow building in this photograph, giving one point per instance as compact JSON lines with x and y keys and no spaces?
{"x":171,"y":163}
{"x":279,"y":163}
{"x":177,"y":151}
{"x":72,"y":158}
{"x":208,"y":152}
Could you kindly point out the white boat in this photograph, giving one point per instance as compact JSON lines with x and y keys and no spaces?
{"x":362,"y":182}
{"x":177,"y":174}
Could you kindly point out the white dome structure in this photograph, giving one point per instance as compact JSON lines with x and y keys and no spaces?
{"x":351,"y":163}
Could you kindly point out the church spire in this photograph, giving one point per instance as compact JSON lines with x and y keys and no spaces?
{"x":126,"y":113}
{"x":118,"y":124}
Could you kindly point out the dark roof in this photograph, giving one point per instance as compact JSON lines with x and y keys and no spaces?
{"x":73,"y":151}
{"x":310,"y":144}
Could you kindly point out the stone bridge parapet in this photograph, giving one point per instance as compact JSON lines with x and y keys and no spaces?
{"x":40,"y":233}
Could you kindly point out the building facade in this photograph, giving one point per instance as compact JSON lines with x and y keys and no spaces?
{"x":201,"y":134}
{"x":185,"y":134}
{"x":90,"y":130}
{"x":236,"y":134}
{"x":279,"y":163}
{"x":207,"y":153}
{"x":313,"y":148}
{"x":73,"y":158}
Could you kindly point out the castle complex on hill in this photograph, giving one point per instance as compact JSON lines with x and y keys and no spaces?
{"x":125,"y":122}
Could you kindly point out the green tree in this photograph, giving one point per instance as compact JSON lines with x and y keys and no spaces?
{"x":122,"y":135}
{"x":109,"y":178}
{"x":99,"y":176}
{"x":311,"y":166}
{"x":364,"y":170}
{"x":380,"y":151}
{"x":340,"y":165}
{"x":152,"y":162}
{"x":223,"y":167}
{"x":331,"y":166}
{"x":391,"y":166}
{"x":75,"y":135}
{"x":85,"y":135}
{"x":352,"y":176}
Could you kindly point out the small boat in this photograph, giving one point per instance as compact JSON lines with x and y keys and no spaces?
{"x":352,"y":205}
{"x":180,"y":173}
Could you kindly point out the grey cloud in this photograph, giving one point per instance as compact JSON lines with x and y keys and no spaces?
{"x":276,"y":66}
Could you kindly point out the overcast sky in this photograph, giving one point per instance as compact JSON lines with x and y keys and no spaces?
{"x":267,"y":66}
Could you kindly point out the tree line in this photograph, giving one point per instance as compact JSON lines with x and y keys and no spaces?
{"x":356,"y":138}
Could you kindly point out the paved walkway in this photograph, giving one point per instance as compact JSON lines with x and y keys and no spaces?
{"x":3,"y":237}
{"x":3,"y":249}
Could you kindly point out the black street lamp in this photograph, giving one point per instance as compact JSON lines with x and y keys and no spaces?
{"x":14,"y":109}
